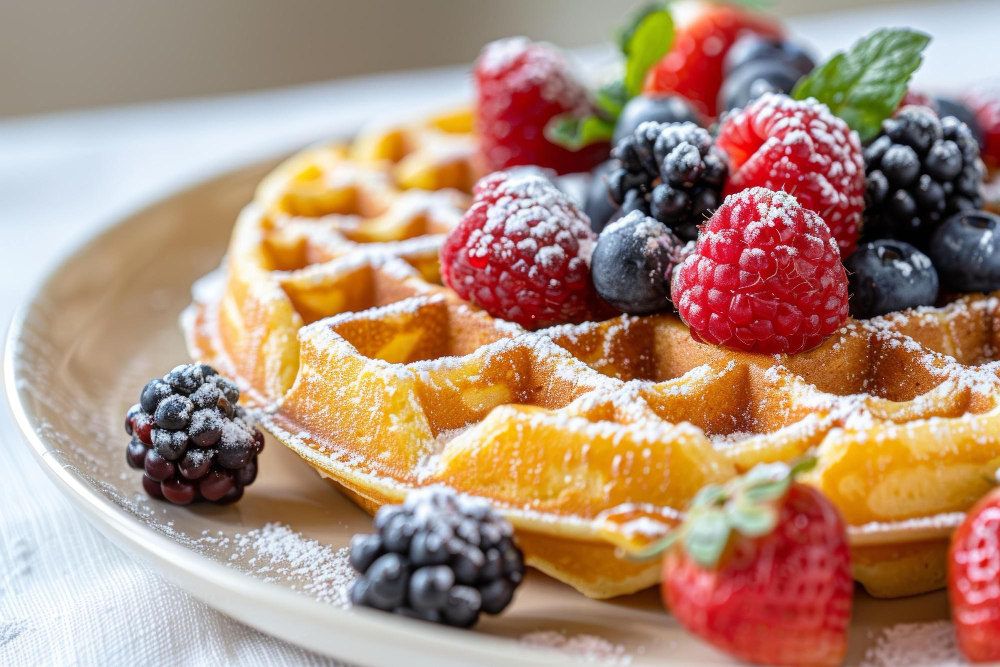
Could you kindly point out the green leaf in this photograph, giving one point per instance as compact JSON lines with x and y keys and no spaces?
{"x":623,"y":34}
{"x":707,"y":536}
{"x":651,"y":39}
{"x":611,"y":98}
{"x":711,"y":494}
{"x":752,"y":519}
{"x":865,"y":84}
{"x":573,"y":133}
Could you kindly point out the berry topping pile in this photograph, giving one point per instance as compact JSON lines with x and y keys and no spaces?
{"x":693,"y":68}
{"x":889,"y":275}
{"x":633,"y":263}
{"x":520,"y":87}
{"x":521,"y":252}
{"x":440,"y":556}
{"x":798,"y":146}
{"x":671,"y":171}
{"x":765,"y":277}
{"x":920,"y":170}
{"x":191,"y":439}
{"x":761,"y":569}
{"x":966,"y":251}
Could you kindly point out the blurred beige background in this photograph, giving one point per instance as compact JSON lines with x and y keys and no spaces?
{"x":65,"y":54}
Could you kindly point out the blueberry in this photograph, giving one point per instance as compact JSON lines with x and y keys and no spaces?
{"x":174,"y":412}
{"x":154,"y":392}
{"x":753,"y":48}
{"x":632,"y":264}
{"x":429,"y":587}
{"x":665,"y":109}
{"x":365,"y":548}
{"x":389,"y":580}
{"x":598,"y":205}
{"x":966,"y":251}
{"x":950,"y":107}
{"x":753,"y":80}
{"x":888,"y":275}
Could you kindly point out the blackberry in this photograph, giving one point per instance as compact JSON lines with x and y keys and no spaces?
{"x":440,"y":556}
{"x":191,"y":439}
{"x":889,"y":275}
{"x":966,"y":251}
{"x":671,"y":171}
{"x":633,"y":262}
{"x":919,"y":171}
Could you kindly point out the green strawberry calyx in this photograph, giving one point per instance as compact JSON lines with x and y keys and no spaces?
{"x":748,"y":505}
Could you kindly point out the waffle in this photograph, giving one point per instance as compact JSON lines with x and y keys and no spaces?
{"x":591,"y":437}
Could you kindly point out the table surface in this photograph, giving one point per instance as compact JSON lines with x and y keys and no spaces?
{"x":67,"y":595}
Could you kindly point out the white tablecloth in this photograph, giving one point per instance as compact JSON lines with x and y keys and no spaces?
{"x":67,"y":595}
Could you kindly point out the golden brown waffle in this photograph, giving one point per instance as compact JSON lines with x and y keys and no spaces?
{"x":592,"y":436}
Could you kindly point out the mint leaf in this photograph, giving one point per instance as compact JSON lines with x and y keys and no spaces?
{"x":611,"y":98}
{"x":650,"y":40}
{"x":623,"y":34}
{"x":574,"y":133}
{"x":865,"y":84}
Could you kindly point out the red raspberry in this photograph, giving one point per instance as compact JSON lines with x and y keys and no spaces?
{"x":798,"y":146}
{"x":522,"y":85}
{"x":693,"y":66}
{"x":765,"y":277}
{"x":521,"y":252}
{"x":984,"y":102}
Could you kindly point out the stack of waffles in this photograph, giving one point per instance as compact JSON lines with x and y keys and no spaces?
{"x":591,"y":438}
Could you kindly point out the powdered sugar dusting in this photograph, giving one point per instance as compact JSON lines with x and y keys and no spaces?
{"x":915,"y":644}
{"x":582,"y":647}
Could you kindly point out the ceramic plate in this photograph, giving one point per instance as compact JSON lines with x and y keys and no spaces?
{"x":105,"y":321}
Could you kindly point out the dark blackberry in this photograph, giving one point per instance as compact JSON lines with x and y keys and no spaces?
{"x":658,"y":109}
{"x":191,"y":438}
{"x":440,"y":556}
{"x":919,"y":171}
{"x":889,"y":275}
{"x":966,"y":251}
{"x":671,"y":171}
{"x":633,"y":262}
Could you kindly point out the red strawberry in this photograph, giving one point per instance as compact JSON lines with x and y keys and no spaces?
{"x":974,"y":581}
{"x":521,"y":86}
{"x":800,"y":147}
{"x":693,"y":66}
{"x":761,"y":569}
{"x":522,"y":252}
{"x":984,"y":102}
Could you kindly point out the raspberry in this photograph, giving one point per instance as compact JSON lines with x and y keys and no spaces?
{"x":693,"y":67}
{"x":798,"y":146}
{"x":522,"y":85}
{"x":521,"y":252}
{"x":765,"y":277}
{"x":984,"y":101}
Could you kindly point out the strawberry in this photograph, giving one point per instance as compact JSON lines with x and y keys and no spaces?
{"x":760,"y":569}
{"x":974,"y":581}
{"x":693,"y":66}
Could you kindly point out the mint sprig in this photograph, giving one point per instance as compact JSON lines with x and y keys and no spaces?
{"x":865,"y":84}
{"x":646,"y":37}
